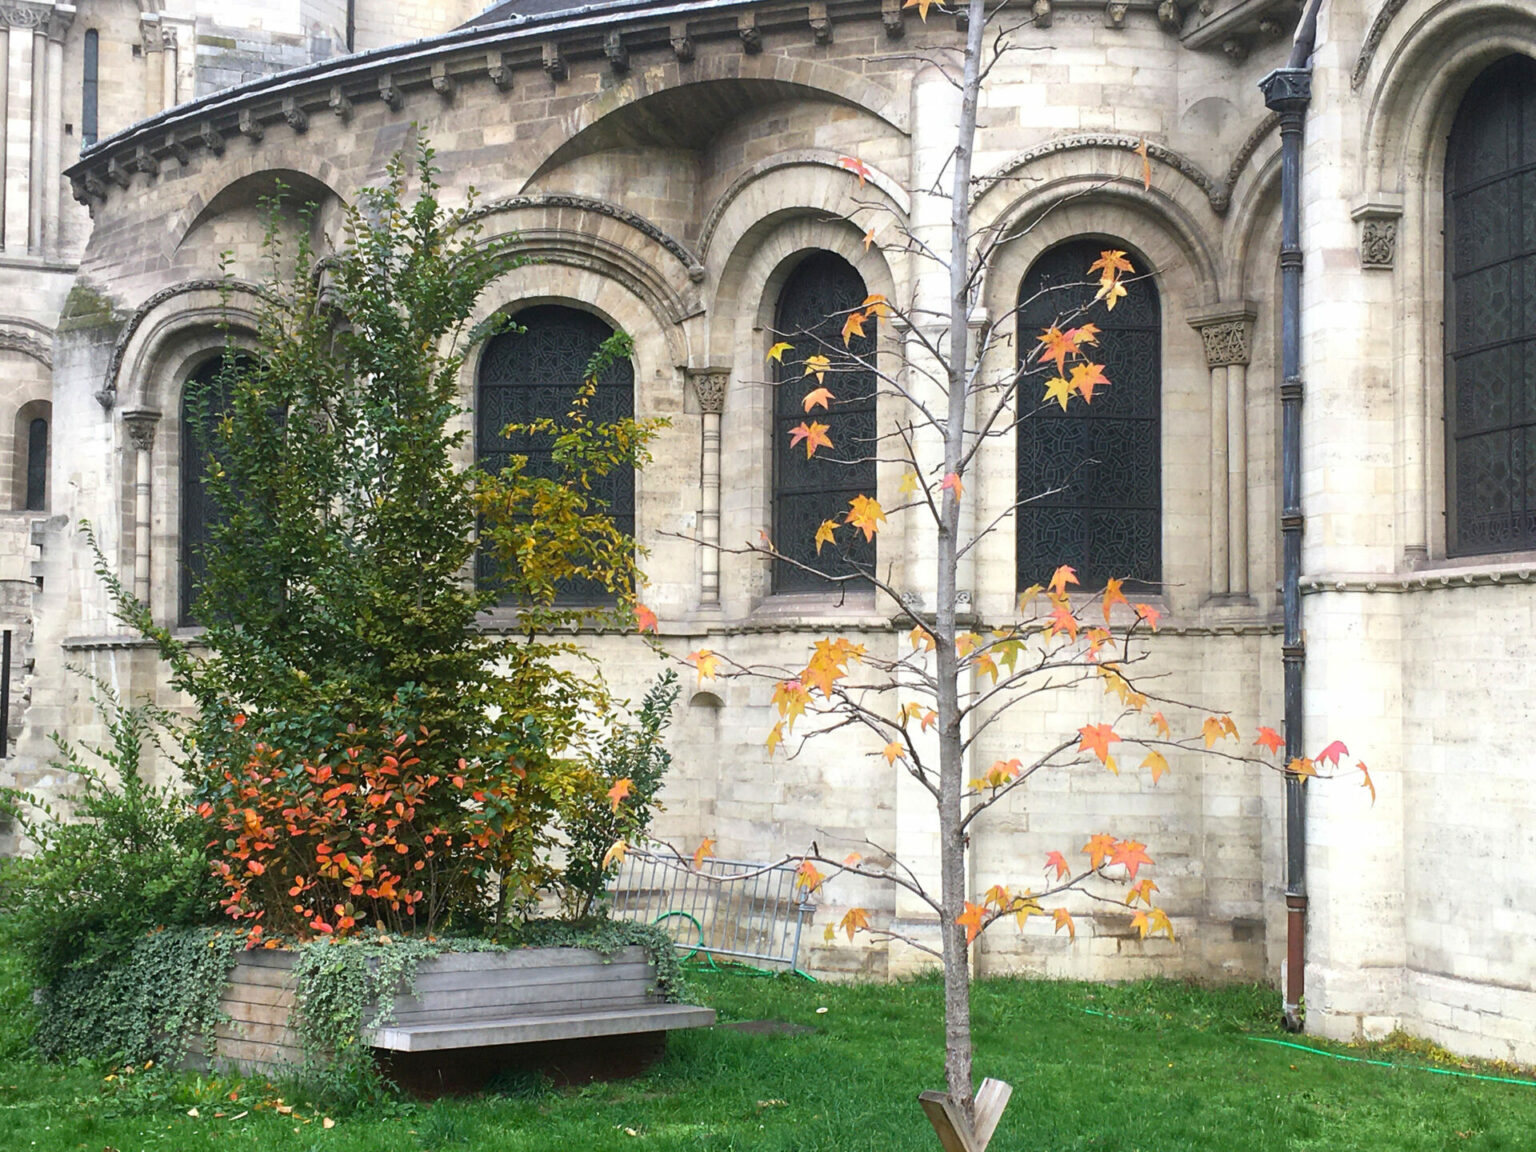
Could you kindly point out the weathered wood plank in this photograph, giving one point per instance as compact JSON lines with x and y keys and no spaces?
{"x":547,"y":994}
{"x":475,"y":1012}
{"x":429,"y":977}
{"x":257,"y":994}
{"x":530,"y":1029}
{"x":529,"y":958}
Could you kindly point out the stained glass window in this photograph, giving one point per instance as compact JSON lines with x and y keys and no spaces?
{"x":37,"y":464}
{"x":1091,"y":475}
{"x":204,"y":402}
{"x":812,"y":307}
{"x":1490,"y":321}
{"x":534,"y":374}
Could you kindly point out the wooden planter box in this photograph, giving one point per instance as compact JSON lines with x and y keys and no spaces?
{"x":468,"y":1000}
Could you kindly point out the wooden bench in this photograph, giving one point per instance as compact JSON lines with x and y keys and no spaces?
{"x":464,"y":1001}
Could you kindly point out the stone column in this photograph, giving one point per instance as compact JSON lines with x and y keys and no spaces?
{"x":20,"y":20}
{"x":709,"y":385}
{"x":36,"y":181}
{"x":1228,"y":336}
{"x":140,"y":424}
{"x":154,"y":63}
{"x":53,"y":129}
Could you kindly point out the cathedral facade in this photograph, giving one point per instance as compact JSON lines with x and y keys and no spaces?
{"x":681,"y":171}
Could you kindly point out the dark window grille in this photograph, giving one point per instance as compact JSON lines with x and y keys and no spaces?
{"x":812,"y":308}
{"x":37,"y":465}
{"x":1490,"y":322}
{"x":535,"y":374}
{"x":1092,"y":475}
{"x":88,"y":129}
{"x":205,"y":400}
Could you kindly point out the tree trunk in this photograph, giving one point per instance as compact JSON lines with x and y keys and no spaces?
{"x":952,"y":851}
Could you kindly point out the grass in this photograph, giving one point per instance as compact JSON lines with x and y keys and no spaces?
{"x":1149,"y":1067}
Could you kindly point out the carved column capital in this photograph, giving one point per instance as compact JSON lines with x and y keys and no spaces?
{"x":26,"y":15}
{"x":1227,"y":333}
{"x":140,"y":424}
{"x":709,"y":385}
{"x":1378,"y":218}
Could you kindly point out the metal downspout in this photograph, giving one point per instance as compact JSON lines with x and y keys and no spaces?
{"x":1288,"y":91}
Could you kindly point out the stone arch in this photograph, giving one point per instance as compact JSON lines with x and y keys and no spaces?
{"x":586,"y":233}
{"x":238,"y":184}
{"x":709,"y":93}
{"x":150,"y":348}
{"x":660,"y":352}
{"x":764,"y":252}
{"x":1180,"y":259}
{"x":18,"y":334}
{"x":1429,"y":57}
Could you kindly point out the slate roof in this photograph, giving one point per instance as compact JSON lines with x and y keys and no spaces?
{"x":509,"y":8}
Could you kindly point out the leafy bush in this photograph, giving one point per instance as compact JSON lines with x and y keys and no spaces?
{"x":131,"y":859}
{"x":632,"y":754}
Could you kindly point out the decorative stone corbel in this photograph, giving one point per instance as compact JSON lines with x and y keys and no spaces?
{"x":554,"y":62}
{"x":682,"y":43}
{"x":250,"y":127}
{"x":118,"y":174}
{"x":821,"y":23}
{"x":751,"y":35}
{"x":442,"y":82}
{"x":210,"y":137}
{"x":178,"y":148}
{"x":340,"y":104}
{"x":891,"y":16}
{"x":617,"y":54}
{"x":1170,"y":14}
{"x":1235,"y":48}
{"x":1044,"y":13}
{"x":1378,"y":217}
{"x":390,"y":93}
{"x":500,"y":72}
{"x":1114,"y":13}
{"x":294,"y":116}
{"x":144,"y":161}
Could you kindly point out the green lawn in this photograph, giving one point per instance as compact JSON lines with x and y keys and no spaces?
{"x":1162,"y":1067}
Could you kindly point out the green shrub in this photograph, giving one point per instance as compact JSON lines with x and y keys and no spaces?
{"x":130,"y":858}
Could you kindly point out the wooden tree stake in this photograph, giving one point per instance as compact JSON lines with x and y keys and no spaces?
{"x":949,"y":1121}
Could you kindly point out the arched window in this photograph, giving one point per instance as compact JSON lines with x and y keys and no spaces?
{"x":812,"y":308}
{"x":88,"y":129}
{"x":533,"y":375}
{"x":204,"y":401}
{"x":1490,"y":314}
{"x":37,"y":464}
{"x":1090,"y":477}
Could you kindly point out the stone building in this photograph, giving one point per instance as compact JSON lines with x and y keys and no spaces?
{"x":677,"y":171}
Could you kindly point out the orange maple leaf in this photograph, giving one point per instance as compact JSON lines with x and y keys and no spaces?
{"x":706,"y":848}
{"x":645,"y":619}
{"x":826,"y":534}
{"x":1059,"y":862}
{"x":1097,"y":738}
{"x":997,"y":896}
{"x":1111,"y":264}
{"x":1331,"y":754}
{"x":1056,"y":345}
{"x":818,"y":366}
{"x":815,"y":397}
{"x":869,"y":238}
{"x":852,"y":859}
{"x":619,"y":791}
{"x":1132,"y":854}
{"x":921,"y":638}
{"x":865,"y":514}
{"x":922,"y":7}
{"x":1111,"y":292}
{"x":1160,"y":922}
{"x":1099,"y":848}
{"x":814,"y":435}
{"x":778,"y":350}
{"x":808,"y":877}
{"x":1062,"y":620}
{"x":615,"y":854}
{"x":1064,"y":920}
{"x":1113,"y":596}
{"x":853,"y":920}
{"x":857,"y":167}
{"x":1150,"y":614}
{"x":853,"y":326}
{"x":1141,"y":890}
{"x":952,"y":484}
{"x":1214,"y":728}
{"x":1085,"y":377}
{"x":1367,"y":782}
{"x":1057,"y":388}
{"x":704,"y":660}
{"x":971,"y":919}
{"x":894,"y":752}
{"x":1146,"y":182}
{"x":876,"y":305}
{"x":1157,"y":763}
{"x":1270,"y":739}
{"x":1301,"y":766}
{"x":1160,"y":722}
{"x":1061,"y":578}
{"x":775,"y":737}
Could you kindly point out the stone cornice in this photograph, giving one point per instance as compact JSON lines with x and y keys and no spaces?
{"x":1433,"y":581}
{"x":1216,"y":193}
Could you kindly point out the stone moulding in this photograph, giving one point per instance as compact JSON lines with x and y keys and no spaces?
{"x":603,"y":208}
{"x":460,"y":1000}
{"x":1373,"y":39}
{"x":1218,"y":194}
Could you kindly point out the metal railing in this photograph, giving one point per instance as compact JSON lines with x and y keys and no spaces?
{"x":755,"y":913}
